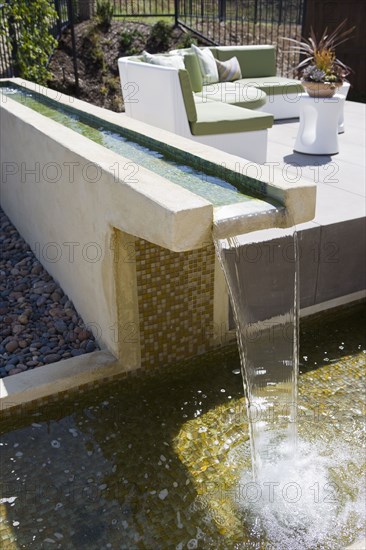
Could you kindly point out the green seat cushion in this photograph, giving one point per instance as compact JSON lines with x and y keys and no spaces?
{"x":219,"y":118}
{"x":194,"y":71}
{"x":253,"y":60}
{"x":273,"y":85}
{"x":234,"y":93}
{"x":189,"y":103}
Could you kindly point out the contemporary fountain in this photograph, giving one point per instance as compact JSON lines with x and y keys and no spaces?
{"x":159,"y":457}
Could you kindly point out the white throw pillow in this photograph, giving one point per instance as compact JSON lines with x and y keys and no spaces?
{"x":164,"y":60}
{"x":229,"y":70}
{"x":207,"y":64}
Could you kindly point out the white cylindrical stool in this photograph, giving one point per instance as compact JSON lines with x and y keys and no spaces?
{"x":318,"y":131}
{"x":343,"y":90}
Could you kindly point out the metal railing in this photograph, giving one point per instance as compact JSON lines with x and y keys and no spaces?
{"x":229,"y":22}
{"x":221,"y":22}
{"x":233,"y":22}
{"x":144,"y":8}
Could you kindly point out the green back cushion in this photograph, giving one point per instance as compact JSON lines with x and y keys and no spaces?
{"x":254,"y":61}
{"x":194,"y":71}
{"x":185,"y":84}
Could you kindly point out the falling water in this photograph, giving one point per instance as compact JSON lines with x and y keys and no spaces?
{"x":280,"y":504}
{"x":261,"y":270}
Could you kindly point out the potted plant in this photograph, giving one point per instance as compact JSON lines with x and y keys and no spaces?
{"x":321,"y":72}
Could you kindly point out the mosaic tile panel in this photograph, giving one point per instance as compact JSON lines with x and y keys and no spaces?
{"x":175,"y":300}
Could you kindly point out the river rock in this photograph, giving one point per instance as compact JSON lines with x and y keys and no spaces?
{"x":41,"y":301}
{"x":51,"y":358}
{"x":11,"y":346}
{"x":34,"y":311}
{"x":60,"y":326}
{"x":17,"y":329}
{"x":23,"y":319}
{"x":90,"y":346}
{"x":14,"y":371}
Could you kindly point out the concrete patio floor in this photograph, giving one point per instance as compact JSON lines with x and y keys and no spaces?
{"x":332,"y":246}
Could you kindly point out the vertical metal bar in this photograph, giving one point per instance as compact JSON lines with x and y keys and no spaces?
{"x":303,"y":22}
{"x":222,"y":10}
{"x":176,"y":12}
{"x":58,"y":22}
{"x":5,"y":65}
{"x":73,"y":41}
{"x":3,"y":50}
{"x":13,"y":47}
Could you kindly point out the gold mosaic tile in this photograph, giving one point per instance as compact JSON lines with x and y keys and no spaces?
{"x":175,"y":300}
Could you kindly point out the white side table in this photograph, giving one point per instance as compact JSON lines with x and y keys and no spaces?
{"x":318,"y":131}
{"x":343,"y":90}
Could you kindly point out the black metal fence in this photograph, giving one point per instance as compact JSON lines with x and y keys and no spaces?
{"x":229,"y":22}
{"x":64,"y":18}
{"x":222,"y":22}
{"x":144,"y":8}
{"x":9,"y":34}
{"x":232,"y":22}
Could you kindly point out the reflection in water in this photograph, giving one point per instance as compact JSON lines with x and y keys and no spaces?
{"x":162,"y":460}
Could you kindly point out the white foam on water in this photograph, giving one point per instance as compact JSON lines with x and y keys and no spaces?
{"x":311,"y":500}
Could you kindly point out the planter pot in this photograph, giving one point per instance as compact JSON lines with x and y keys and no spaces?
{"x":321,"y":89}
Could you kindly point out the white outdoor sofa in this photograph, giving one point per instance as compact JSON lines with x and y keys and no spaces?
{"x":231,"y":116}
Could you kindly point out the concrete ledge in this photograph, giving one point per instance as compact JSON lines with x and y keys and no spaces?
{"x":234,"y":219}
{"x":58,"y":377}
{"x":332,"y":304}
{"x":359,"y":545}
{"x":298,"y":197}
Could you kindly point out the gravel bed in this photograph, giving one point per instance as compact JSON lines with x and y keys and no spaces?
{"x":38,"y":323}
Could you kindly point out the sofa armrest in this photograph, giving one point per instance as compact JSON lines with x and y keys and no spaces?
{"x":188,"y":100}
{"x":157,"y":95}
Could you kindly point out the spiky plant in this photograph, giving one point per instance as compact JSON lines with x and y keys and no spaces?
{"x":320,"y":63}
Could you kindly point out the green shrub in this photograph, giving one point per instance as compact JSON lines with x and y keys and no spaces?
{"x":160,"y":37}
{"x":186,"y":41}
{"x":104,"y":13}
{"x":127,"y":39}
{"x":32,"y":20}
{"x":91,"y":44}
{"x":112,"y":84}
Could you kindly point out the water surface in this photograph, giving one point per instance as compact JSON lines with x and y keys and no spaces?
{"x":161,"y":460}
